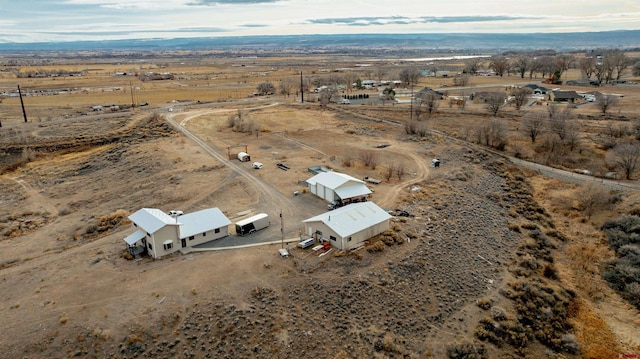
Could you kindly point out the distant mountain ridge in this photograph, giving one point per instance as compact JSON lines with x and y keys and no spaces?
{"x":433,"y":42}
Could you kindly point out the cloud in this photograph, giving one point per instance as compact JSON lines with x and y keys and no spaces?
{"x":402,"y":20}
{"x":230,"y":2}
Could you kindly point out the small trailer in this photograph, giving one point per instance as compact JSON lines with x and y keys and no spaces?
{"x":252,"y":224}
{"x":372,"y":180}
{"x":244,"y":157}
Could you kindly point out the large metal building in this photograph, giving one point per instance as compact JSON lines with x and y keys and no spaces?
{"x":332,"y":186}
{"x":347,"y":227}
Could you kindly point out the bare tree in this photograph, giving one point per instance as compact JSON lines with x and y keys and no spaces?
{"x":266,"y":88}
{"x":606,"y":101}
{"x":326,"y":96}
{"x":472,"y":65}
{"x":619,"y":61}
{"x":587,"y":66}
{"x":410,"y":76}
{"x":380,"y":73}
{"x":520,"y":97}
{"x":499,"y":64}
{"x":429,"y":101}
{"x":286,"y":86}
{"x":572,"y":135}
{"x":494,"y":133}
{"x":401,"y":170}
{"x":591,"y":198}
{"x":389,"y":170}
{"x":636,"y":69}
{"x":558,"y":117}
{"x":494,"y":101}
{"x":626,"y":157}
{"x":522,"y":64}
{"x":461,"y":80}
{"x":533,"y":125}
{"x":369,"y":158}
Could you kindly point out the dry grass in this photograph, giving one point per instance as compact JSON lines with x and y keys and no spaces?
{"x":593,"y":333}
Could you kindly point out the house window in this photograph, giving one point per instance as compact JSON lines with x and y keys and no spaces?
{"x":204,"y":234}
{"x":168,"y":246}
{"x":135,"y":225}
{"x":150,"y":246}
{"x":148,"y":235}
{"x":191,"y":238}
{"x":217,"y":230}
{"x":349,"y":239}
{"x":332,"y":238}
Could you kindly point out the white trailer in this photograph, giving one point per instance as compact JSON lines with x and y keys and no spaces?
{"x":252,"y":224}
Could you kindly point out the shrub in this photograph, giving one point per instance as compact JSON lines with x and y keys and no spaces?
{"x":467,"y":350}
{"x":623,"y":273}
{"x":484,"y":303}
{"x":376,"y":247}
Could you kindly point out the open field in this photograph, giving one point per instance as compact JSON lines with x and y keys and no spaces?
{"x":495,"y":260}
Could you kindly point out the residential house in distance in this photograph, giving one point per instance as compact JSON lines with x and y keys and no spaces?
{"x":564,"y":96}
{"x":349,"y":226}
{"x":537,"y":90}
{"x":159,"y":234}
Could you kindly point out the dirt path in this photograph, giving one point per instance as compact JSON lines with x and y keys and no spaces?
{"x":423,"y":171}
{"x":38,"y":201}
{"x":270,"y":197}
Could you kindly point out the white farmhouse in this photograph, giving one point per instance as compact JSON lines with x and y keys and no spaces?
{"x":333,"y":186}
{"x":159,"y":234}
{"x":347,"y":227}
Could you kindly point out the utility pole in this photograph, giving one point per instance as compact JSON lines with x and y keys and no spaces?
{"x":301,"y":87}
{"x":24,"y":113}
{"x":411,"y":102}
{"x":281,"y":229}
{"x":133,"y":102}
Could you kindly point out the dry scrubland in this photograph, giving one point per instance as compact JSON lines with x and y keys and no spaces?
{"x":496,"y":261}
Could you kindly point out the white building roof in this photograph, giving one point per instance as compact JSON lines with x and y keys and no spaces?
{"x":332,"y":180}
{"x":351,"y":190}
{"x":152,"y":219}
{"x":352,"y":218}
{"x":202,"y":221}
{"x":134,"y":237}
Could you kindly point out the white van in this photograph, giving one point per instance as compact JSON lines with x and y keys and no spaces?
{"x":306,"y":243}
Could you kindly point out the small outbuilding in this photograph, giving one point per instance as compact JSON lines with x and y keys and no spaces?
{"x":349,"y":226}
{"x":244,"y":157}
{"x":159,"y":234}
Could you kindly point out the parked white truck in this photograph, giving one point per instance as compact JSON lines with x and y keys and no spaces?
{"x":252,"y":224}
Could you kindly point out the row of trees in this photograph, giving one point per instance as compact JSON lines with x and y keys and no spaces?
{"x":605,"y":66}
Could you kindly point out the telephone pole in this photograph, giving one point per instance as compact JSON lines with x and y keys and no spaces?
{"x":24,"y":113}
{"x":301,"y":87}
{"x":281,"y":229}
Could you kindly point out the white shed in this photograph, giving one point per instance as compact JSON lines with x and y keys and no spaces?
{"x":332,"y":186}
{"x":244,"y":157}
{"x":347,"y":227}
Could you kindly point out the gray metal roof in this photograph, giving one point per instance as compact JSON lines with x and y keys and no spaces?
{"x":202,"y":221}
{"x":152,"y":219}
{"x":352,"y":218}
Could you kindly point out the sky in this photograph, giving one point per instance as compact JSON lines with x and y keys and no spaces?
{"x":24,"y":21}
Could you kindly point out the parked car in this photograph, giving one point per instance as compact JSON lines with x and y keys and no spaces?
{"x":345,"y":101}
{"x":257,"y":165}
{"x":175,"y":213}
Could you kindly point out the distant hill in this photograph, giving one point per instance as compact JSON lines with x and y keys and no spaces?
{"x":327,"y":44}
